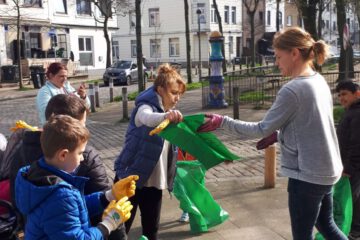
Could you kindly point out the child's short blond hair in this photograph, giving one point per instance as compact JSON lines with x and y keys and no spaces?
{"x":62,"y":132}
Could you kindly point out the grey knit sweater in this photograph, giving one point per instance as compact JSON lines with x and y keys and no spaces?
{"x":302,"y":112}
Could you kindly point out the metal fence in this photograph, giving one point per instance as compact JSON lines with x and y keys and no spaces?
{"x":258,"y":87}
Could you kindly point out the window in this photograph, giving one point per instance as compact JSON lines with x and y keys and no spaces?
{"x":85,"y":51}
{"x":174,"y":47}
{"x":261,"y":17}
{"x":33,"y":3}
{"x":133,"y":48}
{"x":155,"y":48}
{"x":83,"y":7}
{"x":115,"y":50}
{"x":280,"y":18}
{"x":213,"y":15}
{"x":334,"y":26}
{"x":328,"y":7}
{"x":35,"y":40}
{"x":233,"y":15}
{"x":132,"y":20}
{"x":154,"y":17}
{"x":327,"y":24}
{"x":60,"y":6}
{"x":268,"y":19}
{"x":248,"y":42}
{"x":322,"y":24}
{"x":226,"y":14}
{"x":202,"y":17}
{"x":62,"y":46}
{"x":289,"y":21}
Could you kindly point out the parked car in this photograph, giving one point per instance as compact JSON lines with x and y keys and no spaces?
{"x":153,"y":71}
{"x":123,"y":72}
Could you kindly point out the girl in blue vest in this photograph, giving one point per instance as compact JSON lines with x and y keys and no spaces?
{"x":151,"y":157}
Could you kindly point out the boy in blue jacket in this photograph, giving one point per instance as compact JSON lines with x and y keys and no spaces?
{"x":51,"y":196}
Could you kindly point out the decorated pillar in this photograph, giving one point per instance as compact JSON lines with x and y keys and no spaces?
{"x":216,"y":80}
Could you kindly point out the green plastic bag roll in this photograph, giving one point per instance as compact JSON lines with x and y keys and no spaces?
{"x":343,"y":208}
{"x":189,"y":189}
{"x":205,"y":147}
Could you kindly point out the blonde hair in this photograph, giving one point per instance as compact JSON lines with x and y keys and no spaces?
{"x":62,"y":132}
{"x":295,"y":37}
{"x":166,"y":75}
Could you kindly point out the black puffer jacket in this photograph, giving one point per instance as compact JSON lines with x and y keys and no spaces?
{"x":92,"y":166}
{"x":348,"y":132}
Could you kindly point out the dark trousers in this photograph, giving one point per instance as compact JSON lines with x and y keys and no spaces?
{"x":312,"y":205}
{"x":149,"y":201}
{"x":355,"y":189}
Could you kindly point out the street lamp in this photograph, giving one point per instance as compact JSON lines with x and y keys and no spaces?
{"x":198,"y":12}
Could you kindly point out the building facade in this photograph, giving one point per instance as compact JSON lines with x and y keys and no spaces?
{"x":54,"y":29}
{"x":163,"y":30}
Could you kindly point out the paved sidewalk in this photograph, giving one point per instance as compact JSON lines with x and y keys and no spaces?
{"x":255,"y":212}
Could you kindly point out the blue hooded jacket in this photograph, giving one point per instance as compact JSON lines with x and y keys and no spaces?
{"x":141,"y":152}
{"x":54,"y":204}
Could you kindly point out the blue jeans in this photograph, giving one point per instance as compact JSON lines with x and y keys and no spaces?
{"x":312,"y":205}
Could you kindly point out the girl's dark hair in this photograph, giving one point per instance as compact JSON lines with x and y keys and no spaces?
{"x":55,"y":68}
{"x":65,"y":104}
{"x":295,"y":37}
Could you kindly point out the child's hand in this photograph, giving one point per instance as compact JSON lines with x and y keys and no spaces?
{"x":116,"y":213}
{"x":174,"y":116}
{"x":122,"y":188}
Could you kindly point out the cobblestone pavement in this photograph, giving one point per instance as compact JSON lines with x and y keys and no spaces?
{"x":108,"y":131}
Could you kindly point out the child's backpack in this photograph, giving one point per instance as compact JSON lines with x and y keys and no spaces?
{"x":13,"y":144}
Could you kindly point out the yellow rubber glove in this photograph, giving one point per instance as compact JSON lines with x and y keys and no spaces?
{"x":116,"y":213}
{"x":122,"y":188}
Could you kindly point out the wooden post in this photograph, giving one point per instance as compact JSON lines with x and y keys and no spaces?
{"x":236,"y":102}
{"x":97,"y":97}
{"x":92,"y":97}
{"x":125,"y":103}
{"x":111,"y":88}
{"x":270,"y":167}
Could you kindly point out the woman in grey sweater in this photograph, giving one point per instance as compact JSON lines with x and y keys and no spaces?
{"x":302,"y":112}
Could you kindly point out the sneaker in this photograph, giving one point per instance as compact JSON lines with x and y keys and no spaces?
{"x":184,"y":217}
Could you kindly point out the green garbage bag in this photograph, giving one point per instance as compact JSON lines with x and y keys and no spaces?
{"x":343,"y":208}
{"x":189,"y":189}
{"x":205,"y":147}
{"x":143,"y":237}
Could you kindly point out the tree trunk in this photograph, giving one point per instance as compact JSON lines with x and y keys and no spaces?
{"x":218,"y":16}
{"x":308,"y":11}
{"x":319,"y":25}
{"x":341,"y":21}
{"x":108,"y":44}
{"x":277,"y":15}
{"x":18,"y":50}
{"x":139,"y":55}
{"x":252,"y":35}
{"x":188,"y":44}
